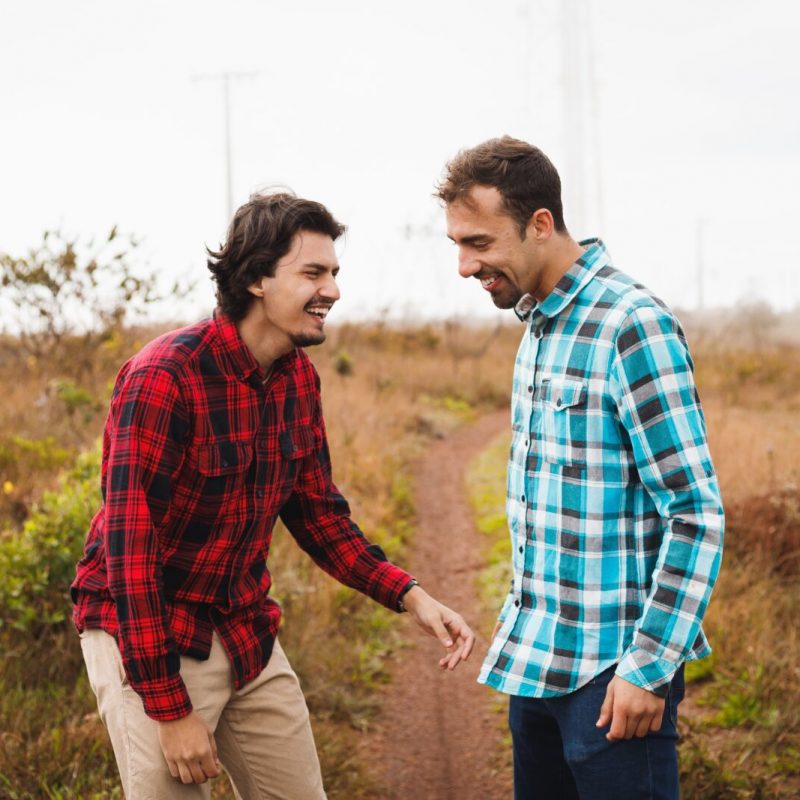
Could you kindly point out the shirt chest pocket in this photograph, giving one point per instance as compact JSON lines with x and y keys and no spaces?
{"x":297,"y":445}
{"x":562,"y":421}
{"x":224,"y":465}
{"x":213,"y":482}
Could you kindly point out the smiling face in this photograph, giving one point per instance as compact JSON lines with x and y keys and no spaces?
{"x":490,"y":247}
{"x":290,"y":307}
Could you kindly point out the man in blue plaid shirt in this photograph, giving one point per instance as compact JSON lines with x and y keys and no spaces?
{"x":613,"y":505}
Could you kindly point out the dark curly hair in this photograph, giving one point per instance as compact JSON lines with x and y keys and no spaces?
{"x":260,"y":234}
{"x":522,"y":173}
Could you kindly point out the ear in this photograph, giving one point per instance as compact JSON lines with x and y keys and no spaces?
{"x":540,"y":225}
{"x":257,"y":288}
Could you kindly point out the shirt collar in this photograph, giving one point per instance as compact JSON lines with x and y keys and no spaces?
{"x":243,"y":363}
{"x":594,"y":257}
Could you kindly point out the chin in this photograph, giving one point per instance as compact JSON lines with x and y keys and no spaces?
{"x":308,"y":339}
{"x":506,"y":301}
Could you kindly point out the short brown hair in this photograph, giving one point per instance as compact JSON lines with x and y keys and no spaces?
{"x":522,"y":173}
{"x":259,"y":235}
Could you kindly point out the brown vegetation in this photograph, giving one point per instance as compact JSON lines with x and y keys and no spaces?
{"x":387,"y":392}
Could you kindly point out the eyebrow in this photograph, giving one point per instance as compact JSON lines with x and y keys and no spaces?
{"x":476,"y":237}
{"x":322,"y":267}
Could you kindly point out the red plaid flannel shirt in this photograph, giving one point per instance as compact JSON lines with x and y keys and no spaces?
{"x":199,"y":459}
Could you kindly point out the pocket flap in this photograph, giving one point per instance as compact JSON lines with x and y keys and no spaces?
{"x":297,"y":442}
{"x":224,"y":458}
{"x":563,"y":392}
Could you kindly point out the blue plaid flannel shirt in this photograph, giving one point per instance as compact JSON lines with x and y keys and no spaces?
{"x":613,"y":505}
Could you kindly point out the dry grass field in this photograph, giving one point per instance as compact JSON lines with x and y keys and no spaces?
{"x":387,"y":393}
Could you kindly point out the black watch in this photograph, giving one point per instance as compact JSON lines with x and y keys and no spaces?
{"x":401,"y":607}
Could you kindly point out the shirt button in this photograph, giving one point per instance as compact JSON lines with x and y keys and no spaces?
{"x":522,"y":497}
{"x":259,"y":492}
{"x":530,"y":388}
{"x":521,"y":548}
{"x":516,"y":603}
{"x":526,"y":443}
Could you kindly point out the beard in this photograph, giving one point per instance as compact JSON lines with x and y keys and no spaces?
{"x":506,"y":301}
{"x":507,"y":297}
{"x":307,"y":339}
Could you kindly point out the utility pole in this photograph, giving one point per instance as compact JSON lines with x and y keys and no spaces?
{"x":226,"y":78}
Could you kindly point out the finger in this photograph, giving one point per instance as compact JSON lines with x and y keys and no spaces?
{"x":619,"y":723}
{"x":631,"y":725}
{"x":643,"y":728}
{"x":461,"y":649}
{"x":214,"y":753}
{"x":655,"y":725}
{"x":209,"y":766}
{"x":185,"y":772}
{"x":605,"y":709}
{"x":173,"y":769}
{"x":440,"y":632}
{"x":198,"y":773}
{"x":497,"y":627}
{"x":454,"y":659}
{"x":469,"y":641}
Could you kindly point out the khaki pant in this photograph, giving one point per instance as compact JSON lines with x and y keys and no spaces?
{"x":262,"y":730}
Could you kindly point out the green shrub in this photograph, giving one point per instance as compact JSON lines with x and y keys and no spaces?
{"x":37,"y":564}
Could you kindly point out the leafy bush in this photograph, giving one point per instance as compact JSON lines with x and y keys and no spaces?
{"x":67,"y":289}
{"x":37,"y":564}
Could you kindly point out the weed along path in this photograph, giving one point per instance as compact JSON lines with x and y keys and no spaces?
{"x":438,"y":737}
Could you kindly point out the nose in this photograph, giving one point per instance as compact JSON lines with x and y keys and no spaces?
{"x":468,"y":265}
{"x":330,"y":291}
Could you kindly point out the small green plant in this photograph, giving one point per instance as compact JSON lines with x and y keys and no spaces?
{"x":700,"y":671}
{"x":37,"y":564}
{"x":343,"y":363}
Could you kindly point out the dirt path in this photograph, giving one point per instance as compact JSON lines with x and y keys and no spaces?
{"x":438,"y":738}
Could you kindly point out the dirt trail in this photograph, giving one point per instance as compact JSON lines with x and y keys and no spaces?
{"x":438,"y":738}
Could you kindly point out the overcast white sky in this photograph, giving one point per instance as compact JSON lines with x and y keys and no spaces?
{"x":688,"y":118}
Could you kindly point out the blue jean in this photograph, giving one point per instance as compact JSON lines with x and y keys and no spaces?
{"x":559,"y":754}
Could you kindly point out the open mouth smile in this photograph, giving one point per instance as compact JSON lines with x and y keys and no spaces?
{"x":318,"y":311}
{"x":490,"y":282}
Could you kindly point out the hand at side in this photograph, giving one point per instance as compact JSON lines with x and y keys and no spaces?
{"x":189,"y":749}
{"x":631,"y":710}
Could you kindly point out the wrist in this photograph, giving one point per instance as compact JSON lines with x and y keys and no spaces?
{"x":410,"y":589}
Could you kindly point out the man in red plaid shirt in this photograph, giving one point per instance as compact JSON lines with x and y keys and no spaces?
{"x":214,"y":431}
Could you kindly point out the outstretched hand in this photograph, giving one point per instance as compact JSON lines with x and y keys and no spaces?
{"x":443,"y":623}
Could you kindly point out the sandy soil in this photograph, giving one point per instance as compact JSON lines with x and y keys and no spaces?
{"x":438,"y":738}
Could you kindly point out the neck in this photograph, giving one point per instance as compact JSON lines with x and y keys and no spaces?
{"x":263,"y":341}
{"x":564,"y":251}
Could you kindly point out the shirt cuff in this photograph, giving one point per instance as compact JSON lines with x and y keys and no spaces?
{"x":164,"y":699}
{"x":643,"y":669}
{"x":386,"y":584}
